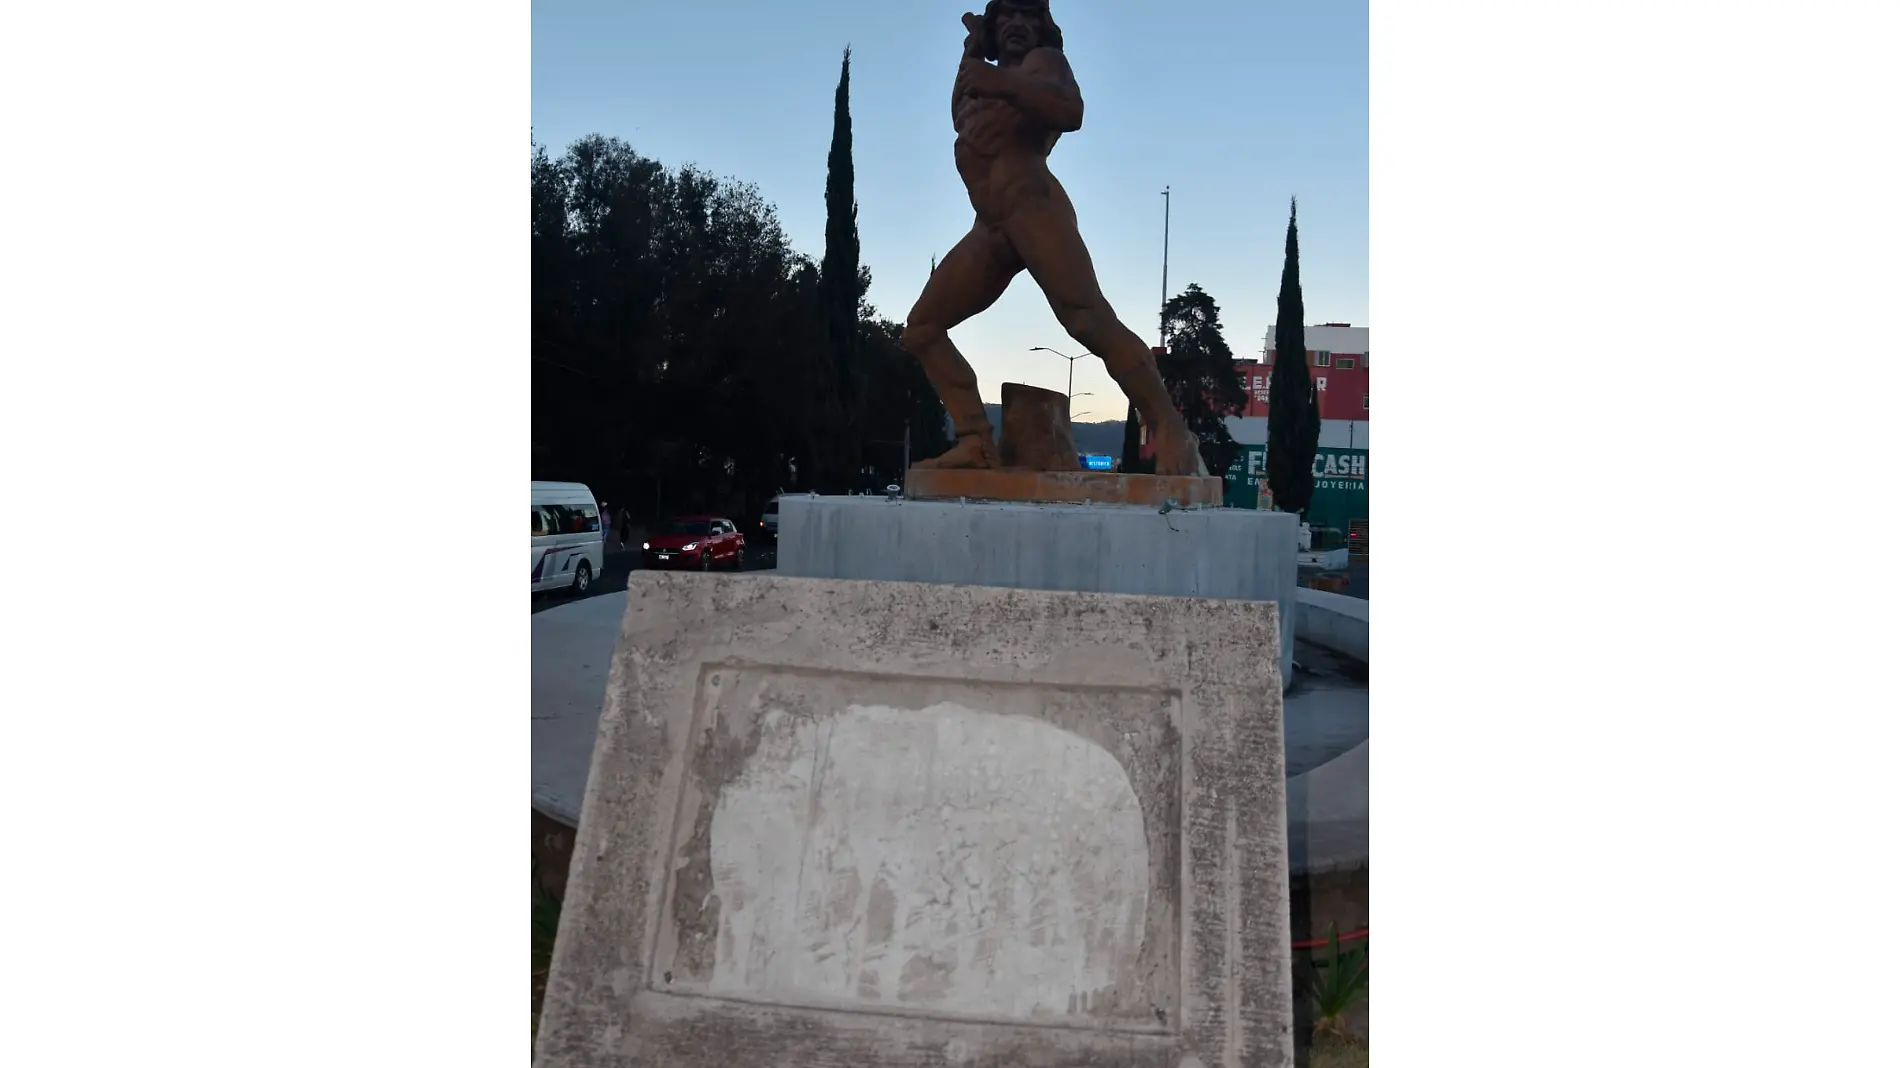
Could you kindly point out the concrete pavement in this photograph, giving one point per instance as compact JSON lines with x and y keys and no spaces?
{"x":572,"y":648}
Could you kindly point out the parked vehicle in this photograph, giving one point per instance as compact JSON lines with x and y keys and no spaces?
{"x":768,"y":523}
{"x":568,"y":546}
{"x":698,"y":541}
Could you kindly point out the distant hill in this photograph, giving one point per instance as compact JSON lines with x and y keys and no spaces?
{"x":1104,"y":438}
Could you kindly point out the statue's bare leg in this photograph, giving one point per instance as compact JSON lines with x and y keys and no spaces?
{"x":1043,"y":232}
{"x":969,"y":280}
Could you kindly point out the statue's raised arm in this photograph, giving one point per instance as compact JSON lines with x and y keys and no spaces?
{"x":972,"y":49}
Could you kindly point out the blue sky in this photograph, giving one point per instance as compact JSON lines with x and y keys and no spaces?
{"x":1235,"y":105}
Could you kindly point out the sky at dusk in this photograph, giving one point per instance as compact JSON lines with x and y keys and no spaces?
{"x":1238,"y":106}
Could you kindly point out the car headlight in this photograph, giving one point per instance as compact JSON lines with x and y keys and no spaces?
{"x":645,"y":545}
{"x":689,"y":547}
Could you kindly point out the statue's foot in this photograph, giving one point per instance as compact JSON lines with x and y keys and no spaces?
{"x":1178,"y":452}
{"x":971,"y":452}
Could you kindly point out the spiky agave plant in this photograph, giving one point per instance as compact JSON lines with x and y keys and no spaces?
{"x":1336,"y":985}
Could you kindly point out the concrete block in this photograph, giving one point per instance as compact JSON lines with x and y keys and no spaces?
{"x":1035,"y":431}
{"x":858,"y":824}
{"x":1228,"y":553}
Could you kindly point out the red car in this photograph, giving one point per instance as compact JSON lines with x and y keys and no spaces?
{"x":697,"y":541}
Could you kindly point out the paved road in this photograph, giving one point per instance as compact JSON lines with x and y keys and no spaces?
{"x":613,"y":577}
{"x":1356,"y":580}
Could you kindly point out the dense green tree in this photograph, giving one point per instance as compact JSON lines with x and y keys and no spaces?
{"x":1198,"y":368}
{"x":668,"y":331}
{"x":683,"y":351}
{"x":1292,"y":404}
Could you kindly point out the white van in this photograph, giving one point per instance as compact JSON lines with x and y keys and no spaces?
{"x":568,"y":546}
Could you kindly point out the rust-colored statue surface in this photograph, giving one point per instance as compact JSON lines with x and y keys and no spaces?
{"x":1008,"y":116}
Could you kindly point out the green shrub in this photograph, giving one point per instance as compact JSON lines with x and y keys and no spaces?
{"x":1336,"y":984}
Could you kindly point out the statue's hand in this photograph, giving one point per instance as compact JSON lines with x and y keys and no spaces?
{"x":976,"y":78}
{"x":973,"y":42}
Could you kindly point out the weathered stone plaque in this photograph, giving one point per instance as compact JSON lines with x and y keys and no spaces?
{"x":839,"y":823}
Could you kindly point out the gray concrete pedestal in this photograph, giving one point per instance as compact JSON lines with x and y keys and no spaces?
{"x":1235,"y":554}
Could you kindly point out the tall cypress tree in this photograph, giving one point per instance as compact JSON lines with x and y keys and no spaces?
{"x":1131,"y":441}
{"x":1292,"y":404}
{"x":840,"y":276}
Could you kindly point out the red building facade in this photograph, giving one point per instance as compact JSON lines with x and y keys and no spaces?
{"x":1340,"y":378}
{"x":1337,"y":365}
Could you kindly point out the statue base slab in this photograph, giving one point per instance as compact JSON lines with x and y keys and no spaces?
{"x":1062,"y":487}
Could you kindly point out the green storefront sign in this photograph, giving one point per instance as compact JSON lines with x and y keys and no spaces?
{"x":1339,"y":485}
{"x":1339,"y":491}
{"x":1245,"y":477}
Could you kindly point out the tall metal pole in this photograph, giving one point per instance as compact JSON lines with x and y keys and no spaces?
{"x":1167,"y":206}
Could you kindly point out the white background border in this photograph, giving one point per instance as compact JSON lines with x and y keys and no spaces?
{"x":1630,"y":793}
{"x":265,"y":428}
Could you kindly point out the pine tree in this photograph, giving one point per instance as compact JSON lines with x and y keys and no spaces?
{"x":841,"y":276}
{"x":1292,"y":404}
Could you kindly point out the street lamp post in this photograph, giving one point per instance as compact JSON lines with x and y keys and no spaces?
{"x":1072,"y":393}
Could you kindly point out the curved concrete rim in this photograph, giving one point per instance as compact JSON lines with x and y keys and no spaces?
{"x":1326,"y":812}
{"x":1335,"y":622}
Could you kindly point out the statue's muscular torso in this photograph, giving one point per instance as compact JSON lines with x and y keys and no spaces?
{"x":1001,"y":153}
